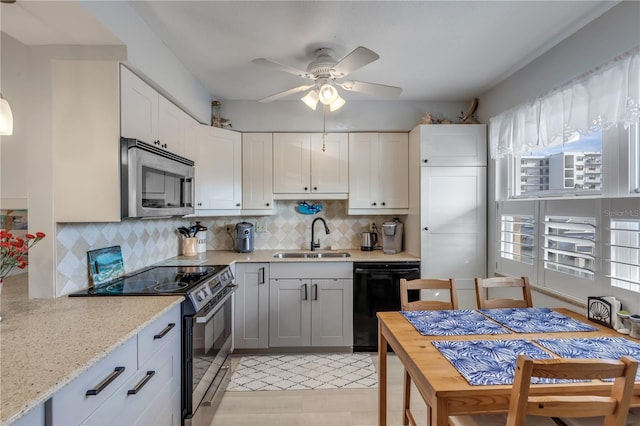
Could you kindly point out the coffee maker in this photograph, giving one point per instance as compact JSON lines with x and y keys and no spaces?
{"x":391,"y":237}
{"x":243,"y":239}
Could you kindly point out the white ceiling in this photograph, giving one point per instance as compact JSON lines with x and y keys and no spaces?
{"x":434,"y":50}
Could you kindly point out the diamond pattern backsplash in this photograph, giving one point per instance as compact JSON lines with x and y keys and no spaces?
{"x":145,"y":242}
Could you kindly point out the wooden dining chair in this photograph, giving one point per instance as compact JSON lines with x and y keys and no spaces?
{"x":423,"y":305}
{"x":527,"y":409}
{"x":431,"y":304}
{"x":483,"y":285}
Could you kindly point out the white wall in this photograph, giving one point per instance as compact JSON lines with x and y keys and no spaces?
{"x":354,"y":116}
{"x":151,"y":59}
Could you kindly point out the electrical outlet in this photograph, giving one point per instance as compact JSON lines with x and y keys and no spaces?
{"x":372,"y":227}
{"x":261,"y":226}
{"x":228,"y":227}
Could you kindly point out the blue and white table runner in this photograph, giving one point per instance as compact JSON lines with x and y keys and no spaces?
{"x":459,"y":322}
{"x":490,"y":362}
{"x":535,"y":320}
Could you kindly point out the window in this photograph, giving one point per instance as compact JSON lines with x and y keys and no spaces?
{"x":574,"y":167}
{"x":569,"y":245}
{"x":625,"y":253}
{"x":517,"y":238}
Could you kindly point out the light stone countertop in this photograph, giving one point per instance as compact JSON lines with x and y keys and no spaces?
{"x":46,"y":343}
{"x":228,"y":257}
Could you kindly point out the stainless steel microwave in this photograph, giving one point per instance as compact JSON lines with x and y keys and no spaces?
{"x":154,"y":182}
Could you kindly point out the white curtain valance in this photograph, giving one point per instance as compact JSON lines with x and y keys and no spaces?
{"x":597,"y":100}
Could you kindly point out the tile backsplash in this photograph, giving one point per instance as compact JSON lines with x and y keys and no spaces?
{"x":145,"y":242}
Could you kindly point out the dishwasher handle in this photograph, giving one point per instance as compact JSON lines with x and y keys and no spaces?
{"x":387,"y":271}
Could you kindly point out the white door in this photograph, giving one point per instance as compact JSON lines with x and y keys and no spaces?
{"x":257,"y":171}
{"x":363,"y":170}
{"x":453,"y":145}
{"x":453,"y":223}
{"x":291,"y":163}
{"x":393,"y":173}
{"x":289,"y":312}
{"x":170,"y":123}
{"x":251,"y":325}
{"x":331,"y":312}
{"x":330,"y":163}
{"x":138,"y":108}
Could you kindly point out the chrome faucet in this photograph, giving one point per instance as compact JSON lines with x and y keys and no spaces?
{"x":326,"y":230}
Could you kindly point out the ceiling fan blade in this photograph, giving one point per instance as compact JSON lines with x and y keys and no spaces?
{"x":358,"y":58}
{"x":286,"y":93}
{"x":282,"y":67}
{"x":379,"y":90}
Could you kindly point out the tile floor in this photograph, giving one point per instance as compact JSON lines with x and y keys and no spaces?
{"x":330,"y":407}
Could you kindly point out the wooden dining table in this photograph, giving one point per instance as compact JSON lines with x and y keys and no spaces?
{"x":445,"y":391}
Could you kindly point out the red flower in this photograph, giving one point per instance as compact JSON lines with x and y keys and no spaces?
{"x":13,"y":251}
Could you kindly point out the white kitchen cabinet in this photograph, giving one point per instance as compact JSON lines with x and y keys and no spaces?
{"x":148,"y":116}
{"x":257,"y":172}
{"x":447,"y":223}
{"x":453,"y":145}
{"x":310,"y":165}
{"x":218,"y":172}
{"x":311,"y":312}
{"x":378,"y":173}
{"x":251,"y":321}
{"x":145,"y":385}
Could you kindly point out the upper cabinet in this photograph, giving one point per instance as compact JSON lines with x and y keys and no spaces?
{"x":218,"y":157}
{"x":379,"y":177}
{"x":148,"y":116}
{"x":453,"y":145}
{"x":257,"y":173}
{"x":310,"y":165}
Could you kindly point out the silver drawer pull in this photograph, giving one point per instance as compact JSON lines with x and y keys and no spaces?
{"x":165,"y":331}
{"x":106,"y":382}
{"x":141,"y":384}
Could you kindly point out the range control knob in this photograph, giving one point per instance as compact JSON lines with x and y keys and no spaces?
{"x":198,"y":297}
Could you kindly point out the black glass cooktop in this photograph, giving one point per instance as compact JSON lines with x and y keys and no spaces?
{"x":156,"y":280}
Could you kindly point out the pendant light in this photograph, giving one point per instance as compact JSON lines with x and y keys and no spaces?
{"x":6,"y":117}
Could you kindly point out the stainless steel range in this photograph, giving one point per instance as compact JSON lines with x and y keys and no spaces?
{"x":206,"y":325}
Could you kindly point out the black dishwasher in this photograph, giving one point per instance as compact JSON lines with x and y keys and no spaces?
{"x":376,"y":288}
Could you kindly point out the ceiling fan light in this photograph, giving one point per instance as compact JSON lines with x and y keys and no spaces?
{"x":6,"y":117}
{"x":328,"y":94}
{"x":311,"y":99}
{"x":337,"y":104}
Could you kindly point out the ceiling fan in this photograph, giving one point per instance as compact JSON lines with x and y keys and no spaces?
{"x":325,"y":71}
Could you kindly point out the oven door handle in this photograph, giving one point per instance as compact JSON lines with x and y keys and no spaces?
{"x":204,"y":317}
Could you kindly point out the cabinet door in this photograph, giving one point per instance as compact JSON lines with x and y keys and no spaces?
{"x":219,"y":169}
{"x":171,"y":119}
{"x":289,"y":312}
{"x":330,"y":163}
{"x":138,"y":108}
{"x":257,"y":171}
{"x":363,"y":170}
{"x":453,"y":211}
{"x":453,"y":145}
{"x":331,"y":312}
{"x":291,"y":163}
{"x":251,"y":325}
{"x":393,"y":172}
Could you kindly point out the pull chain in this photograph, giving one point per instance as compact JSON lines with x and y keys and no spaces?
{"x":324,"y":127}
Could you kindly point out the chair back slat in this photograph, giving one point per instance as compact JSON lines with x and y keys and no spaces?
{"x":484,"y":284}
{"x":428,"y":284}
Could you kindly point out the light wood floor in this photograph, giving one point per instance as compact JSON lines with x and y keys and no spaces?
{"x":325,"y":407}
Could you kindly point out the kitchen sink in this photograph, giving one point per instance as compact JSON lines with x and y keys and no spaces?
{"x":311,"y":255}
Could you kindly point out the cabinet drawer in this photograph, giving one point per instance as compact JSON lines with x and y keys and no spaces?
{"x":72,"y":404}
{"x":160,"y":332}
{"x":153,"y":382}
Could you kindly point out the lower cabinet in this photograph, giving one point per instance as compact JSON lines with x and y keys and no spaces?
{"x":251,"y":322}
{"x":311,"y":304}
{"x":138,"y":383}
